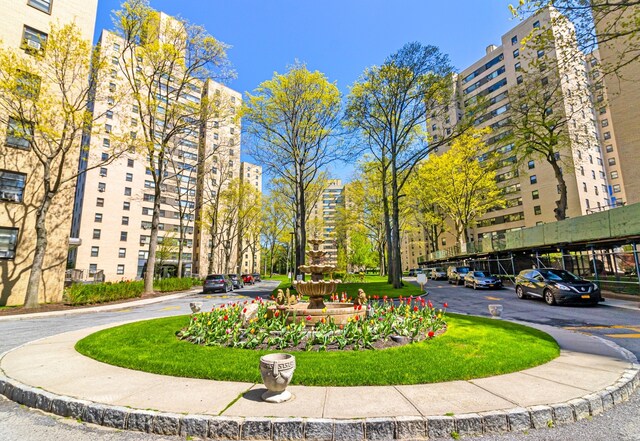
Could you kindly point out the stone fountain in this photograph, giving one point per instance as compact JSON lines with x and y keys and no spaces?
{"x":316,"y":290}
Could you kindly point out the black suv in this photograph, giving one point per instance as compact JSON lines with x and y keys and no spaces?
{"x":455,"y":274}
{"x":217,"y":282}
{"x":556,"y":286}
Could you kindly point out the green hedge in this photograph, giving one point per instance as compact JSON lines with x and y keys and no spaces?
{"x":84,"y":294}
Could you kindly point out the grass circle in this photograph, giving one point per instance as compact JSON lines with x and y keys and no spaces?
{"x":472,"y":347}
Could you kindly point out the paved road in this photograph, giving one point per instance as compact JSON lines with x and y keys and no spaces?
{"x":616,"y":324}
{"x":620,"y":325}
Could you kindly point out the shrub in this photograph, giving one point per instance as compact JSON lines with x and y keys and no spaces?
{"x":83,"y":294}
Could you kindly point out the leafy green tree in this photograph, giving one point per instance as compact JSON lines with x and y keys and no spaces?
{"x":390,"y":107}
{"x":293,"y":120}
{"x":462,"y":188}
{"x":165,"y":62}
{"x":44,"y":102}
{"x":275,"y":220}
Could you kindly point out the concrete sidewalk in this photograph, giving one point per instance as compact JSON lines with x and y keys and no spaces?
{"x":586,"y":366}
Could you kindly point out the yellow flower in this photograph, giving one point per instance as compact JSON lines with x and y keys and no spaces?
{"x":440,"y":315}
{"x":324,"y":309}
{"x":209,"y":323}
{"x":265,"y":316}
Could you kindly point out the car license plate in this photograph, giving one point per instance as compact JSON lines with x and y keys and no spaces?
{"x":585,"y":296}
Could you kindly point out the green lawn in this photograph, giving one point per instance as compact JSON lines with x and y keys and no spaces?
{"x":472,"y":347}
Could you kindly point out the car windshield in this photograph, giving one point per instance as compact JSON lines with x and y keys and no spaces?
{"x":480,"y":274}
{"x":560,"y":276}
{"x":463,"y":270}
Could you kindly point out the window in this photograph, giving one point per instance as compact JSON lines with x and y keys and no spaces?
{"x":535,"y":194}
{"x":33,"y":41}
{"x":8,"y":242}
{"x":544,"y":81}
{"x":125,"y":220}
{"x":126,"y":206}
{"x":537,"y":210}
{"x":607,"y":135}
{"x":120,"y":270}
{"x":129,"y":162}
{"x":584,"y":186}
{"x":514,"y":39}
{"x":93,"y":269}
{"x":533,"y":179}
{"x":536,"y":24}
{"x":19,"y":133}
{"x":519,"y":80}
{"x":95,"y":251}
{"x":518,"y":67}
{"x":107,"y":128}
{"x":100,"y":202}
{"x":127,"y":191}
{"x":28,"y":84}
{"x":122,"y":253}
{"x":103,"y":171}
{"x":616,"y":188}
{"x":540,"y":53}
{"x":609,"y":148}
{"x":104,"y":157}
{"x":97,"y":233}
{"x":98,"y":217}
{"x":43,"y":5}
{"x":516,"y":53}
{"x":111,"y":101}
{"x":590,"y":159}
{"x":614,"y":175}
{"x":612,"y":161}
{"x":12,"y":186}
{"x":135,"y":108}
{"x":595,"y":189}
{"x":123,"y":236}
{"x":582,"y":170}
{"x":605,"y":123}
{"x":106,"y":142}
{"x":531,"y":164}
{"x":128,"y":177}
{"x":102,"y":187}
{"x":588,"y":203}
{"x":109,"y":114}
{"x":112,"y":87}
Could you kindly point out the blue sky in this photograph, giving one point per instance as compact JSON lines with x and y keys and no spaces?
{"x":338,"y":37}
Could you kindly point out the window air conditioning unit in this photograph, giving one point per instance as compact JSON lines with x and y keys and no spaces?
{"x":101,"y":190}
{"x":34,"y":44}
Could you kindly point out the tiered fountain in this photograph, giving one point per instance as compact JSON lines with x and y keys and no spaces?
{"x":316,"y":289}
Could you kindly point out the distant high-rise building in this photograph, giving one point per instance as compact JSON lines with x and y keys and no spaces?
{"x":25,"y":25}
{"x":250,"y":241}
{"x":322,"y":222}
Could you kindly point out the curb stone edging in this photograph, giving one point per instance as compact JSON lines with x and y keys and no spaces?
{"x":323,"y":429}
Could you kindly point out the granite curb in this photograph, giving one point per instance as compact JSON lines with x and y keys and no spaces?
{"x":325,"y":429}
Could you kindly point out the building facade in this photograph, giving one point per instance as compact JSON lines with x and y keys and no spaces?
{"x":114,"y":203}
{"x":250,"y":260}
{"x":324,"y":216}
{"x":531,"y":190}
{"x":24,"y":25}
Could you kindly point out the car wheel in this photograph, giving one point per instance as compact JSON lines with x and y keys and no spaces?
{"x":520,"y":293}
{"x":549,"y":298}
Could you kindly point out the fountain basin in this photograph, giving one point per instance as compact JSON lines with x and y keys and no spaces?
{"x":338,"y":312}
{"x":316,"y":289}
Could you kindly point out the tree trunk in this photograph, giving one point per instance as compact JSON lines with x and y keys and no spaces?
{"x":153,"y":244}
{"x":561,"y":209}
{"x":301,"y":226}
{"x":31,"y":299}
{"x":395,"y":228}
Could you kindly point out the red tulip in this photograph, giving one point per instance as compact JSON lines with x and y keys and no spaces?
{"x":277,"y":314}
{"x":225,"y":318}
{"x":430,"y":304}
{"x":244,"y":310}
{"x":415,"y":309}
{"x":446,"y":305}
{"x":308,"y":317}
{"x":431,"y":334}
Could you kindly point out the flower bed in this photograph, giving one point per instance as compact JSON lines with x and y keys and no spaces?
{"x":241,"y":325}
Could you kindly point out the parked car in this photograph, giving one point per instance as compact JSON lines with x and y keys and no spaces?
{"x":556,"y":286}
{"x":481,"y":279}
{"x":437,"y":273}
{"x":217,"y":283}
{"x":237,"y":281}
{"x":412,"y":272}
{"x":455,"y":274}
{"x":257,"y":277}
{"x":248,"y":279}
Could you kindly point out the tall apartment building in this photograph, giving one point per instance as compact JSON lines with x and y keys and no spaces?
{"x":250,"y":260}
{"x":324,"y":216}
{"x":622,"y":91}
{"x":531,"y":194}
{"x":24,"y":24}
{"x":114,"y":203}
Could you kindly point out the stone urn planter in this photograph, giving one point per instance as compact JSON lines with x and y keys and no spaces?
{"x":496,"y":311}
{"x":276,"y":371}
{"x":195,"y":307}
